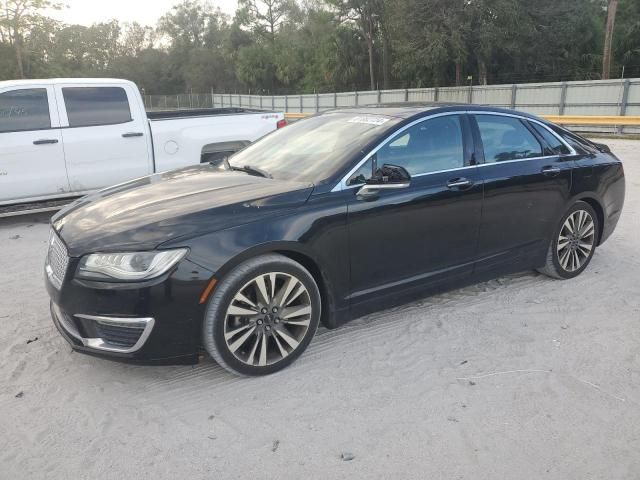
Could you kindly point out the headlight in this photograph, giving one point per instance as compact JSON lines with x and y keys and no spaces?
{"x":129,"y":266}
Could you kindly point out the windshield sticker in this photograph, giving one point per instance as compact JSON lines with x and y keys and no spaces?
{"x":369,"y":120}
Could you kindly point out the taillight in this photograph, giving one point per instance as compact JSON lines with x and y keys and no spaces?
{"x":281,"y":123}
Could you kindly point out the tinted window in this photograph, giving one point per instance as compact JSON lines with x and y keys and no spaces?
{"x":364,"y":173}
{"x":24,"y":110}
{"x":429,"y":146}
{"x":88,"y":106}
{"x":506,"y":138}
{"x":579,"y":143}
{"x":555,"y":146}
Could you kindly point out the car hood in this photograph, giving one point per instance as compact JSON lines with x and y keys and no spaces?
{"x":146,"y":212}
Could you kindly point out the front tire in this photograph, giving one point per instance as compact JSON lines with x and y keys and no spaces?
{"x":262,"y":316}
{"x":574,"y":243}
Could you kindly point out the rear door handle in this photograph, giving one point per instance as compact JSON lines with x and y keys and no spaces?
{"x":550,"y":171}
{"x":132,"y":134}
{"x":45,"y":141}
{"x":459,"y":183}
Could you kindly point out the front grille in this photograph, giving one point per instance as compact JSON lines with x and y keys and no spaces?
{"x":57,"y":260}
{"x":118,"y":336}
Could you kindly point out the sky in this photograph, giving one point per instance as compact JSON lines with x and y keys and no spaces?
{"x":145,"y":12}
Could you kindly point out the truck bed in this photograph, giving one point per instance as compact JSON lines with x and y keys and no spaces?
{"x":201,"y":112}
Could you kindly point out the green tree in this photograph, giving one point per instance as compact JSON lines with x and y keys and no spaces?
{"x":18,"y":17}
{"x":366,"y":15}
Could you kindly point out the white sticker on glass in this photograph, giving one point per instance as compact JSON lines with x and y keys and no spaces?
{"x":369,"y":120}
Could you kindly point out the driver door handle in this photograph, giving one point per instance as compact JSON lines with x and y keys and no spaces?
{"x":132,"y":134}
{"x":459,"y":183}
{"x":45,"y":141}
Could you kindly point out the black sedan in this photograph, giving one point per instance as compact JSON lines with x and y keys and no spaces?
{"x":335,"y":216}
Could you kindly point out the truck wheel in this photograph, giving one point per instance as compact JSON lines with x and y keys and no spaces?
{"x":262,"y":316}
{"x":573,"y":243}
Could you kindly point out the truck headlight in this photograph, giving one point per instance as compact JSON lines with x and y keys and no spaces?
{"x":130,"y":266}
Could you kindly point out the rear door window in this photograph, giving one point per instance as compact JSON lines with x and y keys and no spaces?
{"x":506,"y":138}
{"x":554,"y":145}
{"x":580,"y":144}
{"x":23,"y":110}
{"x":91,"y":106}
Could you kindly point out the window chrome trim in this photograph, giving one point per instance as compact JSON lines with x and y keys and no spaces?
{"x":520,"y":117}
{"x":342,"y":184}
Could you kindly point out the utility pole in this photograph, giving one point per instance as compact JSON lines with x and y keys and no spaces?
{"x":612,"y":9}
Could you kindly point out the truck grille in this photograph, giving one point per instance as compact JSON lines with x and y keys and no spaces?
{"x":57,"y":260}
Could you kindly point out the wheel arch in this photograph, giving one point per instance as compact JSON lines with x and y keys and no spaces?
{"x":220,"y":149}
{"x":596,"y":204}
{"x":296,"y":252}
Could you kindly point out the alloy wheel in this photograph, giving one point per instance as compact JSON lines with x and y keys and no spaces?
{"x":576,"y":240}
{"x":267,"y":319}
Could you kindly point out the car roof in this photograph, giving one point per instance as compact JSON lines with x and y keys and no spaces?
{"x":56,"y":81}
{"x":417,"y":109}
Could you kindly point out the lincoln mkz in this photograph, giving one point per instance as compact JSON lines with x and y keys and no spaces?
{"x":335,"y":216}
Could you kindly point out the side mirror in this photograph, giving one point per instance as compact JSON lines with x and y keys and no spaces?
{"x":388,"y":177}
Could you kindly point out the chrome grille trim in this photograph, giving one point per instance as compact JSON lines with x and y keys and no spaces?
{"x":57,"y":260}
{"x":145,"y":325}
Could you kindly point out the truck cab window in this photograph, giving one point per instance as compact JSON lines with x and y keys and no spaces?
{"x":25,"y":109}
{"x":91,"y":106}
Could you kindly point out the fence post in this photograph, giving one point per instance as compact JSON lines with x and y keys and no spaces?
{"x":624,"y":103}
{"x":379,"y":97}
{"x":470,"y":99}
{"x":273,"y":102}
{"x":436,"y":95}
{"x":317,"y":102}
{"x":563,"y":99}
{"x":178,"y":99}
{"x":286,"y":103}
{"x":514,"y":93}
{"x":230,"y":101}
{"x":301,"y":108}
{"x":335,"y":99}
{"x":260,"y":102}
{"x":356,"y":98}
{"x":406,"y":94}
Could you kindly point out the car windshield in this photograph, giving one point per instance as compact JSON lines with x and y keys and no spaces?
{"x":311,"y":150}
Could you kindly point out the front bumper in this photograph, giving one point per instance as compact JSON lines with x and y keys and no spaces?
{"x":156,"y":322}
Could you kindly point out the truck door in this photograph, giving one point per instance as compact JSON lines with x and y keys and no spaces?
{"x":105,"y":134}
{"x":31,"y":153}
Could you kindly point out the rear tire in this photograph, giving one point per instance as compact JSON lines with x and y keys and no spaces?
{"x":573,"y":243}
{"x":262,"y":316}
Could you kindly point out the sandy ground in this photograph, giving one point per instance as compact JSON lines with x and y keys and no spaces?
{"x":521,"y":377}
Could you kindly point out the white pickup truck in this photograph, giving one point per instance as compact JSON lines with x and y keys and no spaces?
{"x":63,"y":138}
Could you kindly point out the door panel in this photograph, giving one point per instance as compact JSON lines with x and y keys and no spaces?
{"x":419,"y":234}
{"x":422,"y":233}
{"x":31,"y":153}
{"x":523,"y":198}
{"x":105,"y":138}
